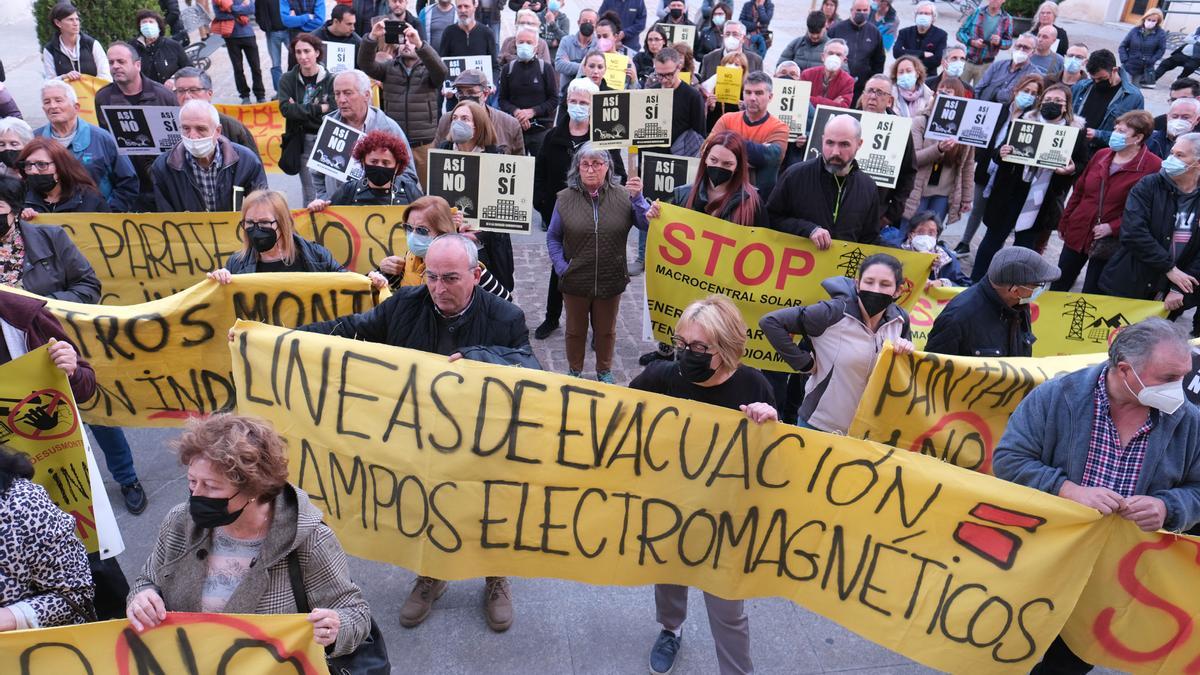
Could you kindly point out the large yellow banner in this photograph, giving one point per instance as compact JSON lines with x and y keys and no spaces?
{"x":38,"y":417}
{"x":263,"y":644}
{"x":690,"y":255}
{"x":463,"y":469}
{"x":161,"y":362}
{"x":147,"y":256}
{"x":1064,"y":323}
{"x":85,"y":90}
{"x":266,"y":124}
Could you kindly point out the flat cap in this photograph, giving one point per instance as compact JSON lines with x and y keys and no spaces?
{"x":471,"y":77}
{"x":1020,"y":266}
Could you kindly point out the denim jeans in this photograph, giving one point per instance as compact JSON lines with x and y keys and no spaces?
{"x":117,"y":453}
{"x":939,"y":204}
{"x":277,"y":44}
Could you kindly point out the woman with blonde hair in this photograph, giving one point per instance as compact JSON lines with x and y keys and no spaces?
{"x":1143,"y":46}
{"x":710,"y":338}
{"x":270,"y":243}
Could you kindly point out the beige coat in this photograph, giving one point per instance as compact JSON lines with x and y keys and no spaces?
{"x":927,"y":155}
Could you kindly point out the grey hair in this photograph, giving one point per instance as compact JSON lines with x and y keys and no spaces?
{"x":1194,"y":103}
{"x":853,"y":120}
{"x":56,"y":83}
{"x":757,"y":77}
{"x":1052,"y":6}
{"x":203,"y":106}
{"x":582,"y":84}
{"x":190,"y":71}
{"x":1031,"y":36}
{"x":1136,"y":344}
{"x":950,"y":48}
{"x":589,"y":151}
{"x":469,"y":247}
{"x":527,"y":29}
{"x":360,"y":78}
{"x":836,"y":41}
{"x":18,"y":127}
{"x":1193,"y":139}
{"x":528,"y":12}
{"x":732,"y":24}
{"x":926,"y":4}
{"x":785,"y":64}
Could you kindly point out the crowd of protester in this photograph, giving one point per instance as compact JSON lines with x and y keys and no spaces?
{"x":1124,"y":206}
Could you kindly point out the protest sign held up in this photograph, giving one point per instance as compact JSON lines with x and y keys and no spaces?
{"x":639,"y":118}
{"x":143,"y":130}
{"x":677,"y":33}
{"x":615,"y":66}
{"x":1047,"y":146}
{"x":661,"y":174}
{"x":504,"y":204}
{"x":332,"y":150}
{"x":339,"y":56}
{"x":965,"y":120}
{"x":884,"y":139}
{"x":789,"y":103}
{"x":728,"y":87}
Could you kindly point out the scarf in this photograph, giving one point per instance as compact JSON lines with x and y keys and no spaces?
{"x":1039,"y":183}
{"x":12,"y":259}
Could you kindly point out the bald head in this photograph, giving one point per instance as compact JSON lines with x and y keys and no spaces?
{"x":840,"y":141}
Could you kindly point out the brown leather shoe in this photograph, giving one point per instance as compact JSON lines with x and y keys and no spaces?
{"x":420,"y":601}
{"x":497,"y":604}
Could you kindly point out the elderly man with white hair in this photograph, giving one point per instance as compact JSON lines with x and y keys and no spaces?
{"x":529,"y":90}
{"x":526,"y":18}
{"x":923,"y":40}
{"x":205,"y":171}
{"x":93,"y":146}
{"x":733,"y":42}
{"x":1181,"y":119}
{"x":352,"y":95}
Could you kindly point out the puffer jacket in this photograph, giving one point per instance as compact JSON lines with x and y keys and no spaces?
{"x":843,"y":350}
{"x":176,"y":189}
{"x":1139,"y":268}
{"x":409,"y":96}
{"x":313,"y":256}
{"x":178,"y":566}
{"x":55,"y":267}
{"x":805,"y":52}
{"x":1141,"y":49}
{"x":586,"y":239}
{"x":928,"y":157}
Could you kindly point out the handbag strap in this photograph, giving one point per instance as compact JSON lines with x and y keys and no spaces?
{"x":296,"y":578}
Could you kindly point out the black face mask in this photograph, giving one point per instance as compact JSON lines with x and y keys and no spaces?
{"x":379,"y":175}
{"x":692,"y":366}
{"x":261,"y":238}
{"x":718,"y":176}
{"x":676,"y":13}
{"x":874,"y":302}
{"x":586,"y":29}
{"x":9,"y":157}
{"x":210,"y":512}
{"x":41,"y":183}
{"x":861,"y":17}
{"x":1051,"y":110}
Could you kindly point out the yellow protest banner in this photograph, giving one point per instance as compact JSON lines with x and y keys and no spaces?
{"x":266,"y":124}
{"x":85,"y":90}
{"x":464,"y":469}
{"x":690,"y":255}
{"x":263,"y":644}
{"x":38,"y":417}
{"x":141,"y":257}
{"x":1064,"y":323}
{"x":161,"y":362}
{"x":615,"y":67}
{"x":728,"y":88}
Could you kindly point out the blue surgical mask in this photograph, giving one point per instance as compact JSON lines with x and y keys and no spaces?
{"x":553,"y":5}
{"x":418,"y":244}
{"x":907,"y":81}
{"x":923,"y":20}
{"x":1173,"y":166}
{"x":956,"y":68}
{"x":525,"y":51}
{"x":1117,"y":141}
{"x":1025,"y":100}
{"x":578,"y":112}
{"x":1072,"y":64}
{"x":150,"y":30}
{"x":718,"y":19}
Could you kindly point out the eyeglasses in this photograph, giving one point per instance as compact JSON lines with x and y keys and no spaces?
{"x":695,"y":347}
{"x":268,"y":224}
{"x":191,"y":91}
{"x":1023,"y":48}
{"x":591,"y":166}
{"x":420,"y":230}
{"x":877,"y":92}
{"x":450,"y":278}
{"x":37,"y":166}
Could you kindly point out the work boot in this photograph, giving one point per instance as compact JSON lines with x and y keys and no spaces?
{"x":420,"y":601}
{"x":135,"y":497}
{"x":497,"y":604}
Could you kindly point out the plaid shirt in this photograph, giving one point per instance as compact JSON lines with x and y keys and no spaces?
{"x":1108,"y":464}
{"x":207,"y":177}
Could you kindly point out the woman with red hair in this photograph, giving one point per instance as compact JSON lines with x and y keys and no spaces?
{"x":384,"y":158}
{"x":722,"y":186}
{"x":55,"y":181}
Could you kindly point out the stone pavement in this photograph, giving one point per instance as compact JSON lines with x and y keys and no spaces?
{"x":560,"y":626}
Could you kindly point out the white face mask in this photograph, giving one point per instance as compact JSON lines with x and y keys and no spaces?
{"x":1167,"y":397}
{"x":1019,"y":57}
{"x":924,"y":243}
{"x":833,"y":62}
{"x":1151,"y":24}
{"x":732,"y":42}
{"x":200,"y":147}
{"x":1178,"y":127}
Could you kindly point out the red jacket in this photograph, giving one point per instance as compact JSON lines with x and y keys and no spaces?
{"x":30,"y":316}
{"x":1081,"y":213}
{"x":840,"y":92}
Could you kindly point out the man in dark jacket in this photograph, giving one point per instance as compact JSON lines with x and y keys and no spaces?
{"x":1181,"y":118}
{"x":205,"y":172}
{"x":448,"y":315}
{"x":193,"y":83}
{"x":160,"y":56}
{"x":924,"y":40}
{"x":633,"y":19}
{"x":1159,"y":241}
{"x":468,"y":37}
{"x":991,"y":318}
{"x":339,"y":28}
{"x":867,"y":54}
{"x":733,"y":33}
{"x":1184,"y":87}
{"x":828,"y":197}
{"x":807,"y":50}
{"x":131,"y":87}
{"x":529,"y":91}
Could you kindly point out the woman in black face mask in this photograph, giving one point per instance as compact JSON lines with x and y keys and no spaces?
{"x":242,"y":511}
{"x":841,"y":338}
{"x":384,"y":158}
{"x":1033,"y":198}
{"x":14,"y":134}
{"x":709,"y":340}
{"x":55,"y":181}
{"x":270,"y":243}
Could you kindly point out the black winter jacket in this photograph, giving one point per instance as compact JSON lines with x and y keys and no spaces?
{"x":684,"y":192}
{"x":1139,"y":268}
{"x":356,"y":192}
{"x":978,"y":323}
{"x":266,"y":15}
{"x":411,"y":97}
{"x":806,"y":197}
{"x":85,"y":200}
{"x":161,"y":59}
{"x":1012,"y":190}
{"x":409,"y":319}
{"x":55,"y":267}
{"x":533,"y":85}
{"x":312,"y":256}
{"x":175,"y":188}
